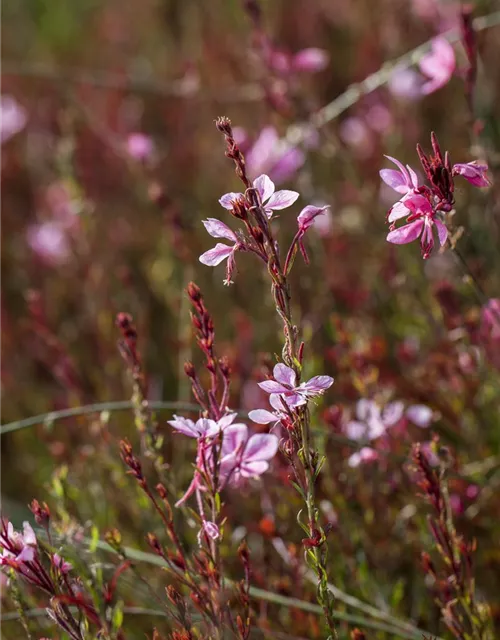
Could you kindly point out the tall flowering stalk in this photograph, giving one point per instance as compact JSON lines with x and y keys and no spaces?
{"x":289,"y":397}
{"x":454,"y":585}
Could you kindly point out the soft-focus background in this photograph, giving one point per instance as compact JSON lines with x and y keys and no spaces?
{"x":110,"y":161}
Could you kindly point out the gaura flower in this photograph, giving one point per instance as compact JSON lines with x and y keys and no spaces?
{"x":420,"y":224}
{"x":371,"y":422}
{"x":306,"y":217}
{"x":244,"y":457}
{"x":17,"y":547}
{"x":220,"y":252}
{"x":202,"y":428}
{"x":271,"y":200}
{"x":63,"y":566}
{"x":284,"y":384}
{"x":273,"y":156}
{"x":140,"y":146}
{"x":438,"y":65}
{"x":366,"y":454}
{"x":473,"y":172}
{"x":13,"y":118}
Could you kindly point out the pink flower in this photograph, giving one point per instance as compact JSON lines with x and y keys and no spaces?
{"x":420,"y":224}
{"x":405,"y":83}
{"x":63,"y":566}
{"x":210,"y":529}
{"x":262,"y":416}
{"x":372,"y":422}
{"x":17,"y":547}
{"x":140,"y":146}
{"x":473,"y":173}
{"x":49,"y":240}
{"x":244,"y":457}
{"x":490,"y":319}
{"x":13,"y":118}
{"x":202,"y":428}
{"x":404,"y":180}
{"x":306,"y":217}
{"x":273,"y":156}
{"x":284,"y":384}
{"x":438,"y":65}
{"x":221,"y":251}
{"x":366,"y":454}
{"x":272,"y":200}
{"x":310,"y":60}
{"x":420,"y":415}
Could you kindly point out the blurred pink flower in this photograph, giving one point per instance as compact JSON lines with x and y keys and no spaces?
{"x":490,"y":319}
{"x":405,"y":83}
{"x":354,"y":132}
{"x":473,"y":172}
{"x":13,"y":118}
{"x":273,"y":156}
{"x":371,"y":422}
{"x":438,"y":65}
{"x":284,"y":384}
{"x":140,"y":146}
{"x":18,"y":547}
{"x":366,"y":454}
{"x":310,"y":60}
{"x":63,"y":566}
{"x":379,"y":118}
{"x":420,"y":415}
{"x":49,"y":240}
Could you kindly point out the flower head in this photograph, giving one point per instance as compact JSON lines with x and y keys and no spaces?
{"x":246,"y":457}
{"x":306,"y":217}
{"x":221,"y":251}
{"x":371,"y":422}
{"x":284,"y":384}
{"x":262,"y":416}
{"x":438,"y":65}
{"x":17,"y":547}
{"x":473,"y":172}
{"x":273,"y":156}
{"x":202,"y":428}
{"x":272,"y":200}
{"x":140,"y":146}
{"x":13,"y":118}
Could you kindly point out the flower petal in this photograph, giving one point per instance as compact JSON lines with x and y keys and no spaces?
{"x":399,"y":210}
{"x":311,"y":60}
{"x":271,"y":386}
{"x":318,"y":384}
{"x":233,"y":439}
{"x":392,"y":413}
{"x":261,"y":416}
{"x":284,"y":374}
{"x":254,"y":469}
{"x":261,"y":446}
{"x":228,"y":198}
{"x":420,"y":414}
{"x":442,"y":231}
{"x":395,"y":179}
{"x":215,"y":256}
{"x":184,"y":425}
{"x":407,"y":233}
{"x":265,"y":187}
{"x":218,"y":229}
{"x":29,"y":536}
{"x":356,"y":430}
{"x":281,"y":200}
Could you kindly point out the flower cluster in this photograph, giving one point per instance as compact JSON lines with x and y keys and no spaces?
{"x":238,"y":204}
{"x":424,"y":206}
{"x":226,"y":454}
{"x":372,"y":422}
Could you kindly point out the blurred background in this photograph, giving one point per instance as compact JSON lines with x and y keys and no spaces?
{"x":111,"y":160}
